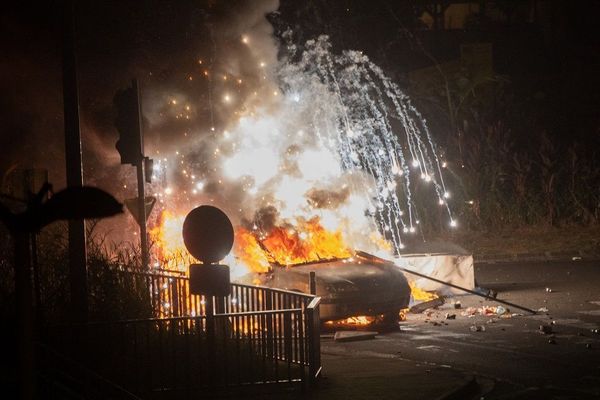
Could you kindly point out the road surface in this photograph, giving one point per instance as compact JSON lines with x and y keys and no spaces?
{"x":510,"y":357}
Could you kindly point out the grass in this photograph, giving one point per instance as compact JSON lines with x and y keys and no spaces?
{"x":531,"y":240}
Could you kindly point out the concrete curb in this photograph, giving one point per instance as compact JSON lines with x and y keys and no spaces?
{"x":542,"y":256}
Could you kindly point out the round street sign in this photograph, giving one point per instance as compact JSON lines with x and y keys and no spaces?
{"x":207,"y":234}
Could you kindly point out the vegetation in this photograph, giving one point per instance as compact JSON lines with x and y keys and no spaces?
{"x":508,"y":170}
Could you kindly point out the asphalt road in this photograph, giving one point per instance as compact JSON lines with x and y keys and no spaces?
{"x":511,"y":358}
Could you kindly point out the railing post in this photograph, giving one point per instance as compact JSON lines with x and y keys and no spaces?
{"x":314,"y":341}
{"x":175,"y":297}
{"x":210,"y":337}
{"x":270,"y":327}
{"x":287,"y":340}
{"x":313,"y":283}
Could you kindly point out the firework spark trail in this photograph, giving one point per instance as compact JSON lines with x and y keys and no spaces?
{"x":366,"y":139}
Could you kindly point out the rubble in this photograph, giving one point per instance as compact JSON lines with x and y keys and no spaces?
{"x":548,"y":290}
{"x":477,"y":328}
{"x":450,"y":316}
{"x":421,"y":307}
{"x":500,"y":311}
{"x":542,"y":309}
{"x":350,"y":336}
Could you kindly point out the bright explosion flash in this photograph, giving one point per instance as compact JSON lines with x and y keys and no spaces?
{"x":325,"y":164}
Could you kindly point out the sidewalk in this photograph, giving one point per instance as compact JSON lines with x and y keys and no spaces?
{"x":364,"y":376}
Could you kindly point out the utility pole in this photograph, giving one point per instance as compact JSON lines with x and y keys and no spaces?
{"x":131,"y":148}
{"x":142,"y":214}
{"x":77,"y":250}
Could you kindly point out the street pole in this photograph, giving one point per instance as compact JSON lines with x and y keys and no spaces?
{"x":77,"y":250}
{"x":140,"y":182}
{"x":142,"y":214}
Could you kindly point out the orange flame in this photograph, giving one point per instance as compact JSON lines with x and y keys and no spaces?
{"x":167,"y":242}
{"x":419,"y":294}
{"x":308,"y":241}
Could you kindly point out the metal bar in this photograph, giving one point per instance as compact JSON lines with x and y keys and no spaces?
{"x":174,"y":324}
{"x":287,"y":339}
{"x":77,"y":250}
{"x":142,"y":203}
{"x":529,"y":310}
{"x":237,"y":348}
{"x":313,"y":283}
{"x":300,"y":334}
{"x":188,"y":375}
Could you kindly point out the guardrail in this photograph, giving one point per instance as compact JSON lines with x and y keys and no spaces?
{"x":256,"y":335}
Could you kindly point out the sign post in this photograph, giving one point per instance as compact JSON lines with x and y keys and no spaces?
{"x":208,"y":236}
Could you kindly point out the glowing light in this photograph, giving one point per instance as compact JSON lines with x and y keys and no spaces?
{"x":453,"y":223}
{"x":168,"y":191}
{"x":415,"y":163}
{"x":446,"y":195}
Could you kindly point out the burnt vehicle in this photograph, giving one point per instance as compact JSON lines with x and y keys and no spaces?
{"x":359,"y":285}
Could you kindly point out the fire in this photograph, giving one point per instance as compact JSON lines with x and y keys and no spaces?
{"x":168,"y":244}
{"x":354,"y":322}
{"x":306,"y":242}
{"x":419,"y":294}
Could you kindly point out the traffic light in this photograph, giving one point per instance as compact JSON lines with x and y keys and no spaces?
{"x":128,"y":123}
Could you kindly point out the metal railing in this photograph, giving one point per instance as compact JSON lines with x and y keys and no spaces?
{"x":254,"y":335}
{"x":169,"y":296}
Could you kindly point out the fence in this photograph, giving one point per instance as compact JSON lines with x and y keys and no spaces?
{"x":254,"y":335}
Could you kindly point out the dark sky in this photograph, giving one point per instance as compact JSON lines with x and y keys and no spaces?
{"x":161,"y":42}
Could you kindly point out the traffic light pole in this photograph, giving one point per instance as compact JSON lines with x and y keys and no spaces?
{"x":142,"y":214}
{"x":77,"y":239}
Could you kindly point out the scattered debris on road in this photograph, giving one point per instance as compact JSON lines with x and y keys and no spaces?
{"x":477,"y":328}
{"x":487,"y":311}
{"x":350,"y":336}
{"x":421,"y":307}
